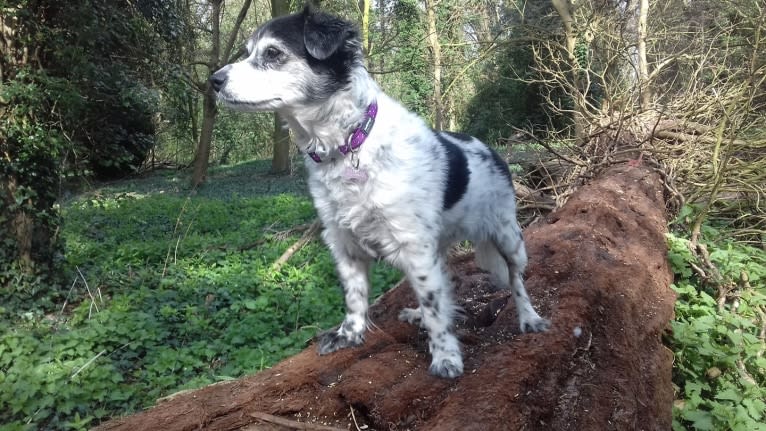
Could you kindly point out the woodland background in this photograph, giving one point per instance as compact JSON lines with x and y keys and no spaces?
{"x":139,"y":224}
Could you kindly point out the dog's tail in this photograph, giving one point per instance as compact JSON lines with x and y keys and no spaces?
{"x":488,"y":258}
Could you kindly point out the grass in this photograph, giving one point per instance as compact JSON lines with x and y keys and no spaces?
{"x":170,"y":289}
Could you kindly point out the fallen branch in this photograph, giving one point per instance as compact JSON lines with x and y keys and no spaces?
{"x":283,"y":234}
{"x":687,"y":137}
{"x":278,"y":235}
{"x":288,"y":423}
{"x":304,"y":239}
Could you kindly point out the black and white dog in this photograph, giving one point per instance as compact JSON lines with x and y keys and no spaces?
{"x":385,"y":185}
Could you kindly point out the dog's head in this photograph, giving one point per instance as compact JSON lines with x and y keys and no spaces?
{"x":291,"y":61}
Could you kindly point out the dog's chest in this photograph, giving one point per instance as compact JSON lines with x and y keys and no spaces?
{"x":356,"y":205}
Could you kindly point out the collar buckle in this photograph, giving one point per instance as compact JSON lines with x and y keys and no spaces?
{"x":356,"y":138}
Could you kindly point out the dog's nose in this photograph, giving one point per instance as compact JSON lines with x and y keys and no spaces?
{"x":218,"y":79}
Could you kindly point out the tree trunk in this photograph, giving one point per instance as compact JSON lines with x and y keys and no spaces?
{"x":564,"y":10}
{"x":622,"y":327}
{"x":194,"y":123}
{"x":364,"y":6}
{"x":20,"y":224}
{"x":382,"y":29}
{"x":280,"y":161}
{"x":201,"y":161}
{"x":209,"y":110}
{"x":436,"y":56}
{"x":217,"y":58}
{"x":28,"y":184}
{"x":643,"y":68}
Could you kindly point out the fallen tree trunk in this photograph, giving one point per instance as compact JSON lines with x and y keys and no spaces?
{"x":597,"y":269}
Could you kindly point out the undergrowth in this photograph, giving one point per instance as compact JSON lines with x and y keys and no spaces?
{"x":170,"y":290}
{"x":173,"y":289}
{"x":718,"y":334}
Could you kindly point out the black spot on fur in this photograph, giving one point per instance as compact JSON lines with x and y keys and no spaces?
{"x":483,"y":155}
{"x":428,"y":301}
{"x":457,"y":172}
{"x":329,"y":45}
{"x":502,"y":166}
{"x":332,"y":340}
{"x":459,"y":136}
{"x":346,"y":327}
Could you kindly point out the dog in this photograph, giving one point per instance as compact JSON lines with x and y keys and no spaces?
{"x":384,"y":184}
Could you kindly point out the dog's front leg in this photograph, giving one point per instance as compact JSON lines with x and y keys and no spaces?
{"x":353,"y":266}
{"x":427,"y":272}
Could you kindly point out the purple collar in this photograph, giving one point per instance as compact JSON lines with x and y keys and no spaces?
{"x":356,"y":139}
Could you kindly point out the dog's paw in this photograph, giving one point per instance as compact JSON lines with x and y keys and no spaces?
{"x":447,"y":367}
{"x":336,"y":339}
{"x":413,"y":316}
{"x":534,"y":324}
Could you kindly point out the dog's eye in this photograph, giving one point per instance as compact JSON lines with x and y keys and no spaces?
{"x":272,"y":53}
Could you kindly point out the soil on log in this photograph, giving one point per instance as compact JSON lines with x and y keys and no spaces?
{"x":597,"y":269}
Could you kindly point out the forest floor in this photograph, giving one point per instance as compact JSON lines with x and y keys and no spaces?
{"x":598,"y":270}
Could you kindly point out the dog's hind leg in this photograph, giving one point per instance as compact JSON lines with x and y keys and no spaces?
{"x":489,"y":259}
{"x":353,"y":267}
{"x":427,"y":272}
{"x":508,"y":244}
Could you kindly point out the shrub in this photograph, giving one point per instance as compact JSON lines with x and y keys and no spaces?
{"x":717,"y":337}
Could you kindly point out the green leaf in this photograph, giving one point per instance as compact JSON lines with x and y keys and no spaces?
{"x":700,"y":419}
{"x":729,"y":394}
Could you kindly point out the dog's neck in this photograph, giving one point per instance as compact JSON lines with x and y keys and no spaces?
{"x":323,"y":127}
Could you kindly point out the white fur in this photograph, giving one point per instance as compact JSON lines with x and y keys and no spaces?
{"x":395,"y":213}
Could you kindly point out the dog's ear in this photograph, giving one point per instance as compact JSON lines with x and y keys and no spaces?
{"x":324,"y":34}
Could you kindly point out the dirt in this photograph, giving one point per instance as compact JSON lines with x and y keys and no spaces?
{"x":597,"y":269}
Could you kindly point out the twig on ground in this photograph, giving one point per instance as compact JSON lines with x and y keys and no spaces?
{"x":66,"y":300}
{"x":281,"y":235}
{"x":353,"y":416}
{"x":289,"y":423}
{"x":304,"y":239}
{"x":85,"y":365}
{"x":87,"y":288}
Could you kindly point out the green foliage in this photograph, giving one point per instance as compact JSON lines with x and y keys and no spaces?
{"x":72,"y":103}
{"x":180,"y":293}
{"x":407,"y":58}
{"x":720,"y":368}
{"x":30,"y":148}
{"x":106,"y":62}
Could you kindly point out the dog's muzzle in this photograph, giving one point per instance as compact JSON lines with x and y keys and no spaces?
{"x":218,"y":79}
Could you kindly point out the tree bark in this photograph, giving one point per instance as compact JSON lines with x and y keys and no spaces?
{"x":201,"y":161}
{"x":364,"y":6}
{"x":436,"y":57}
{"x":643,"y":68}
{"x":280,"y":161}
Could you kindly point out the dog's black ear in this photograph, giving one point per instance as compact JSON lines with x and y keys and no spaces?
{"x":324,"y":34}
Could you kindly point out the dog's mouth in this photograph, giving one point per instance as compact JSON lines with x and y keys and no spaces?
{"x":251,"y":105}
